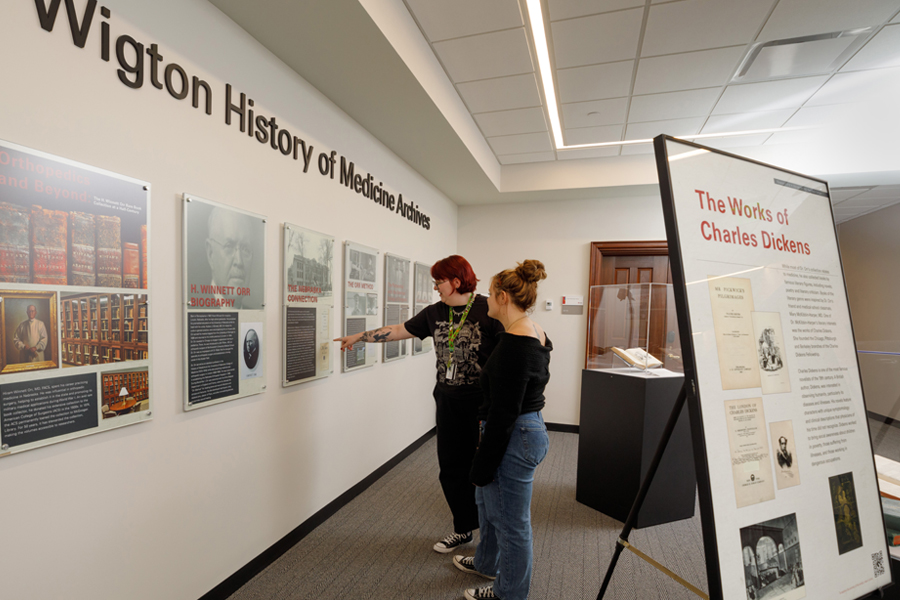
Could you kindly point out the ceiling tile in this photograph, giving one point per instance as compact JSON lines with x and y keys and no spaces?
{"x":504,"y":93}
{"x":566,"y":9}
{"x":838,"y":195}
{"x":672,"y":105}
{"x":521,"y":144}
{"x":594,"y":113}
{"x":597,"y":39}
{"x":748,"y":121}
{"x":687,"y":71}
{"x":602,"y":152}
{"x":513,"y":159}
{"x":896,"y":19}
{"x":596,"y":82}
{"x":637,"y":149}
{"x":882,"y":51}
{"x":736,"y":141}
{"x":509,"y":122}
{"x":702,"y":24}
{"x":800,"y":137}
{"x":593,"y":135}
{"x":445,"y":20}
{"x":768,"y":95}
{"x":858,"y":86}
{"x":464,"y":58}
{"x":862,"y":201}
{"x":683,"y":128}
{"x":795,"y":18}
{"x":818,"y":116}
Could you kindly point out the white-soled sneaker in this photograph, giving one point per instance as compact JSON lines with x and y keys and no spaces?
{"x":453,"y":541}
{"x":466,"y":564}
{"x":482,"y":593}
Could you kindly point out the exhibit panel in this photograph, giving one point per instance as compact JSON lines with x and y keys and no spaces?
{"x":792,"y":506}
{"x":308,"y":301}
{"x":360,"y":302}
{"x":224,"y":303}
{"x":74,"y":299}
{"x":423,"y":295}
{"x":396,"y":301}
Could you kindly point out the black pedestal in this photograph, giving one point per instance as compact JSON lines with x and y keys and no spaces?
{"x":623,"y":415}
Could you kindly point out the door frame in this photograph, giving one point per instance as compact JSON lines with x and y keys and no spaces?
{"x":627,"y":248}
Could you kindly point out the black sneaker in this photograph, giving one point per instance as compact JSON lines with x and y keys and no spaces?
{"x":454,"y":540}
{"x":482,"y":593}
{"x":466,"y":564}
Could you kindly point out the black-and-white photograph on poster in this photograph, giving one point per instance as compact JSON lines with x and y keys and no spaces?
{"x":361,"y":295}
{"x":308,"y":304}
{"x":224,"y":306}
{"x":773,"y":567}
{"x":224,"y":256}
{"x":72,"y":237}
{"x":396,"y":301}
{"x":251,"y":349}
{"x":423,"y":293}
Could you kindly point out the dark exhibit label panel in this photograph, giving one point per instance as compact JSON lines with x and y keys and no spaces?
{"x":32,"y":411}
{"x":300,"y":341}
{"x":212,"y":356}
{"x":356,"y":354}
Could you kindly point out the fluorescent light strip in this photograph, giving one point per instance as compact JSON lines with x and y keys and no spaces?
{"x":536,"y":18}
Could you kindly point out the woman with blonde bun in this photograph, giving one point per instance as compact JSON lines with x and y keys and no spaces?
{"x":513,"y":437}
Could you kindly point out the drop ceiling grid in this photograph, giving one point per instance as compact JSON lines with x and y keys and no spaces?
{"x":669,"y":63}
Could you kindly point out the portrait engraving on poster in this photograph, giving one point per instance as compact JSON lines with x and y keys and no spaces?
{"x":749,"y":448}
{"x":787,"y":468}
{"x":770,"y":352}
{"x":846,"y":512}
{"x":773,"y":566}
{"x":731,"y":300}
{"x":251,"y":349}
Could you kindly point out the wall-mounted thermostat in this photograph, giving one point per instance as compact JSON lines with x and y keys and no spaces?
{"x":548,"y":305}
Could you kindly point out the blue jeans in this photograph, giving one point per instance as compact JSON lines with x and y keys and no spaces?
{"x":504,"y":510}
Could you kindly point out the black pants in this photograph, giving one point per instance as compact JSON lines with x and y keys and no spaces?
{"x":457,"y":440}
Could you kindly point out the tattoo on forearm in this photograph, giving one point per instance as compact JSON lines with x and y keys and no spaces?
{"x":376,"y":335}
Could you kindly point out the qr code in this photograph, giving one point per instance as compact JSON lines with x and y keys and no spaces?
{"x":878,"y":563}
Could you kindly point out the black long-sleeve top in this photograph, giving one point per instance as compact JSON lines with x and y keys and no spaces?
{"x":513,"y":381}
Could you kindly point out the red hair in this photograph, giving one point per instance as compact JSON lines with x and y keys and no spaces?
{"x":455,"y":267}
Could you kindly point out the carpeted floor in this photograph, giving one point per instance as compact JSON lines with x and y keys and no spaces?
{"x":378,"y":547}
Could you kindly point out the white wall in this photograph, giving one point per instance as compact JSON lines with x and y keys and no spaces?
{"x":870,"y":249}
{"x":170,"y":508}
{"x":559,"y":234}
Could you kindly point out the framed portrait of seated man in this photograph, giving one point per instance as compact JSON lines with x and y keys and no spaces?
{"x":30,"y":332}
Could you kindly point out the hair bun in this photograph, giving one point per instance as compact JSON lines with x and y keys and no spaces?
{"x":531,"y":271}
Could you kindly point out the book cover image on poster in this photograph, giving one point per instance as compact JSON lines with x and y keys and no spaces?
{"x":749,"y":446}
{"x":846,"y":512}
{"x":731,"y":300}
{"x":224,"y":256}
{"x":787,"y":467}
{"x":67,"y":225}
{"x":773,"y":567}
{"x":773,"y":372}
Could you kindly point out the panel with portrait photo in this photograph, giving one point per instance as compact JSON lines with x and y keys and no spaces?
{"x":29,"y":324}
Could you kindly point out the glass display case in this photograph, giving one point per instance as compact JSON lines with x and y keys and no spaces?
{"x":633,"y":326}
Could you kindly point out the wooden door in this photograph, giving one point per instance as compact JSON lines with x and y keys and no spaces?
{"x":625,"y":320}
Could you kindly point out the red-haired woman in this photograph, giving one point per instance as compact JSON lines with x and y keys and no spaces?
{"x":464,"y":337}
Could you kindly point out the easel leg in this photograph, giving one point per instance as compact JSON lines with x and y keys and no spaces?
{"x":645,"y":485}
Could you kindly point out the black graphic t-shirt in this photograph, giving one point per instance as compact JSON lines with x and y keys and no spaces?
{"x":472,"y":347}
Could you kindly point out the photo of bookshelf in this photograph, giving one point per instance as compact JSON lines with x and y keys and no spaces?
{"x":99,"y":329}
{"x":125,"y":392}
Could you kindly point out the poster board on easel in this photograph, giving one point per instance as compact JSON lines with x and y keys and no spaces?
{"x":788,"y":492}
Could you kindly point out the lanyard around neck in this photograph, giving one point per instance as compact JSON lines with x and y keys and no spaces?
{"x":455,"y":329}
